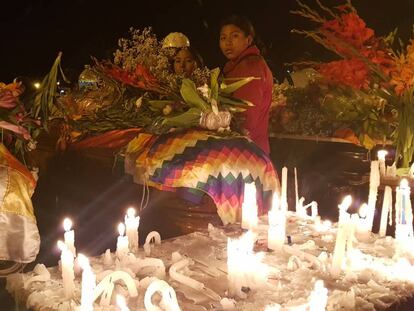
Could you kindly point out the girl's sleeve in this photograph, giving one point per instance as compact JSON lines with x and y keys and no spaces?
{"x":253,"y":92}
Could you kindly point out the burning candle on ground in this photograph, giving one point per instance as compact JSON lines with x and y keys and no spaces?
{"x":88,"y":284}
{"x":132,"y":224}
{"x":244,"y":267}
{"x":250,"y":218}
{"x":404,"y":217}
{"x":341,"y":237}
{"x":283,"y":198}
{"x":69,"y":235}
{"x":381,"y":159}
{"x":122,"y":242}
{"x":276,"y":234}
{"x":374,"y":182}
{"x":68,"y":274}
{"x":363,"y":226}
{"x":386,"y":210}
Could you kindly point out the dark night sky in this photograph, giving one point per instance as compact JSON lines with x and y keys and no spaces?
{"x":32,"y":32}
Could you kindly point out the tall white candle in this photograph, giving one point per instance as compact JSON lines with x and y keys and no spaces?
{"x":381,"y":159}
{"x":69,"y":235}
{"x":283,"y":198}
{"x":122,"y":242}
{"x":132,"y":224}
{"x":386,"y":208}
{"x":250,"y":218}
{"x":342,"y":236}
{"x":88,"y":284}
{"x":298,"y":207}
{"x":374,"y":182}
{"x":276,"y":234}
{"x":68,"y":274}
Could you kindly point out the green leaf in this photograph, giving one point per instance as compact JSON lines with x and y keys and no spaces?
{"x":230,"y":88}
{"x":158,"y":105}
{"x":186,"y":119}
{"x":190,"y":95}
{"x":214,"y":86}
{"x":235,"y":101}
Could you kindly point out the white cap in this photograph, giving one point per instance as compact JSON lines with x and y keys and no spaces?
{"x":175,"y":40}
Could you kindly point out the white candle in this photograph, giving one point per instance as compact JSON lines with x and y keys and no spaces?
{"x":363,"y":226}
{"x":132,"y":224}
{"x":374,"y":182}
{"x":88,"y":284}
{"x":284,"y":188}
{"x":122,"y":242}
{"x":298,"y":207}
{"x":392,"y":170}
{"x":168,"y":296}
{"x":107,"y":285}
{"x":276,"y":234}
{"x":250,"y":218}
{"x":343,"y":208}
{"x":68,"y":274}
{"x":411,"y":172}
{"x":244,"y":267}
{"x":314,"y":209}
{"x":152,"y":236}
{"x":381,"y":159}
{"x":386,"y":208}
{"x":342,"y":236}
{"x":121,"y":303}
{"x":69,"y":235}
{"x":319,"y":297}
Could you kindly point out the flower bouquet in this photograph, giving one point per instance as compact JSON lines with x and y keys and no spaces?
{"x":18,"y":126}
{"x":370,"y":65}
{"x":142,"y":91}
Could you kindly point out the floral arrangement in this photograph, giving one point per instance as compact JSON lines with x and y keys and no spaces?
{"x":18,"y":127}
{"x":370,"y":66}
{"x":139,"y":89}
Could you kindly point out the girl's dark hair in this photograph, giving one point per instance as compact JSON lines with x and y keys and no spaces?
{"x":197,"y":57}
{"x":240,"y":21}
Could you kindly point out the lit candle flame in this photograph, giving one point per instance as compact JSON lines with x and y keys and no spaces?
{"x":381,"y":154}
{"x":347,"y":201}
{"x":363,"y":210}
{"x":131,"y":212}
{"x":121,"y":229}
{"x":67,"y":224}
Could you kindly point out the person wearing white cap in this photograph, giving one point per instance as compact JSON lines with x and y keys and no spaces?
{"x":175,"y":40}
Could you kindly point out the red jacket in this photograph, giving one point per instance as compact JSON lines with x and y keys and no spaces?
{"x":259,"y":92}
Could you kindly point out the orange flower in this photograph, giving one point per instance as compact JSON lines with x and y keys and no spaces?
{"x":350,"y":72}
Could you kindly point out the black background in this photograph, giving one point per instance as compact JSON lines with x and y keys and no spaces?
{"x":32,"y":32}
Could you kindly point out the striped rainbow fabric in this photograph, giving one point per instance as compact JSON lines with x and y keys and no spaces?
{"x":204,"y":160}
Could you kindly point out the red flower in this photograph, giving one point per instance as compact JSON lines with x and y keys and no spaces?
{"x":349,"y":28}
{"x":140,"y":78}
{"x":352,"y":72}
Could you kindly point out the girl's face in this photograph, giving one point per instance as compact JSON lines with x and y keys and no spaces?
{"x":233,"y":41}
{"x":184,"y":62}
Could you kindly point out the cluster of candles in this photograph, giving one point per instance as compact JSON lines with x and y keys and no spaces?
{"x":245,"y":268}
{"x":70,"y":260}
